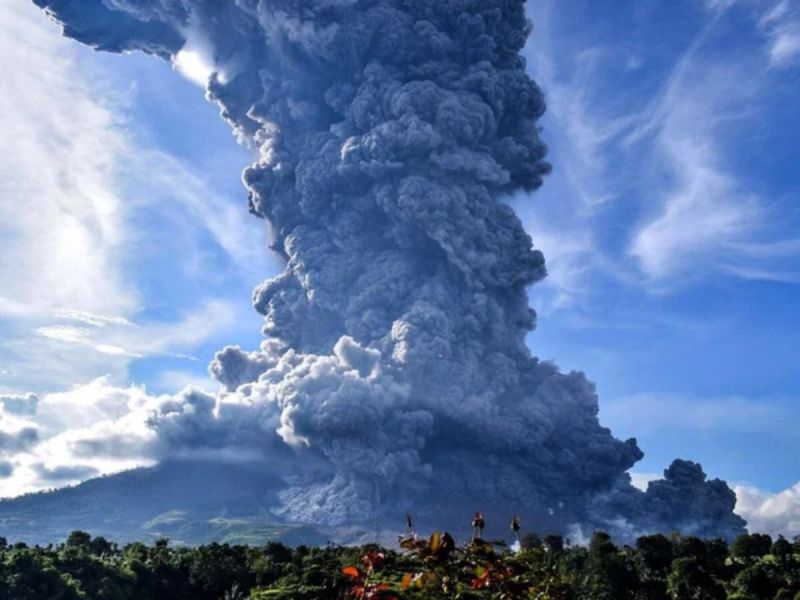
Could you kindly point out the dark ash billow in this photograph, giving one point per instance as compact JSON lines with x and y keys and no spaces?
{"x":395,"y":375}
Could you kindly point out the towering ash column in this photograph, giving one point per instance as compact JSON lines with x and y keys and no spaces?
{"x":395,"y":361}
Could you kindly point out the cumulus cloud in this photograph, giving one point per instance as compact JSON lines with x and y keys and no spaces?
{"x":395,"y":370}
{"x":12,"y":442}
{"x":19,"y":404}
{"x":40,"y":437}
{"x":776,"y":514}
{"x":6,"y":469}
{"x":103,"y":428}
{"x":63,"y":473}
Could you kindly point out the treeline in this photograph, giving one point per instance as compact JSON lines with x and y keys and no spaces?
{"x":753,"y":567}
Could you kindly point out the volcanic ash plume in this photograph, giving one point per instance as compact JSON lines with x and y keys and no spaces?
{"x":394,"y":375}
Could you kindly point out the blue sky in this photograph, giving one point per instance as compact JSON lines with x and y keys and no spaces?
{"x":670,"y":225}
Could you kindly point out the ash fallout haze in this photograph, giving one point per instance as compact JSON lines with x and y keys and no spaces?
{"x":394,"y":374}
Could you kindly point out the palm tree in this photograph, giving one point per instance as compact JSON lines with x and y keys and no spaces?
{"x":477,"y":526}
{"x":515,"y":529}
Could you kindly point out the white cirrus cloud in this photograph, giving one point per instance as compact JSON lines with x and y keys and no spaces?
{"x":779,"y":22}
{"x":83,"y":198}
{"x":647,"y":191}
{"x":706,"y":218}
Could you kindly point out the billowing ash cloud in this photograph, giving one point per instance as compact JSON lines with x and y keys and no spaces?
{"x":395,"y":374}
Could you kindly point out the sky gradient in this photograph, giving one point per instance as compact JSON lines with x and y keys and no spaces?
{"x":669,"y":225}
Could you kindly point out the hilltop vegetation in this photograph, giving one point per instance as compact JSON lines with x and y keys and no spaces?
{"x":753,"y":567}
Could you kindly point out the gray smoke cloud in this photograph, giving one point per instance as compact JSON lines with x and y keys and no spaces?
{"x":394,"y":375}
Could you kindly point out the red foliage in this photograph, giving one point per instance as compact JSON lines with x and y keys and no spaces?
{"x":362,"y":588}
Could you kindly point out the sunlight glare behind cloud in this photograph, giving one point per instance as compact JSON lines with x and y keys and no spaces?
{"x":195,"y":60}
{"x":192,"y":64}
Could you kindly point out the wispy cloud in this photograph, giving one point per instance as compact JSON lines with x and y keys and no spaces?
{"x":706,"y":211}
{"x":86,"y":202}
{"x":90,"y":318}
{"x":654,"y":161}
{"x":562,"y":216}
{"x":62,"y":217}
{"x":778,"y":21}
{"x":136,"y":340}
{"x":586,"y":128}
{"x":709,"y":219}
{"x":85,"y":205}
{"x":781,"y":24}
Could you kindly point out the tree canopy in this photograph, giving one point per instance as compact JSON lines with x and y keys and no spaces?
{"x":754,"y":567}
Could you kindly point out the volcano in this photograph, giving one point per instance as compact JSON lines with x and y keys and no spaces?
{"x":188,"y":502}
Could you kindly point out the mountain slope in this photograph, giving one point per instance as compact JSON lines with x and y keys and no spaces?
{"x":188,"y":502}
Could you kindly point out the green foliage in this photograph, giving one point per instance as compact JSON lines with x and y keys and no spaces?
{"x":554,"y":543}
{"x":751,"y":546}
{"x":657,"y":567}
